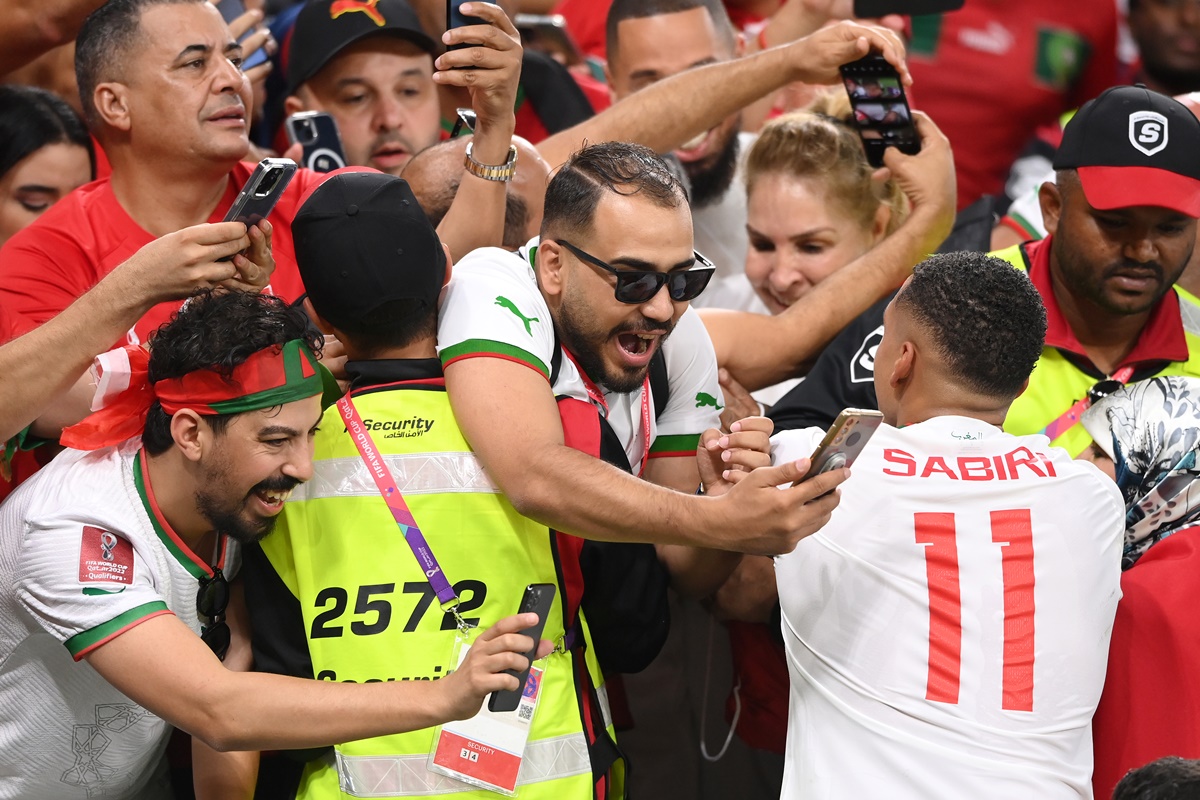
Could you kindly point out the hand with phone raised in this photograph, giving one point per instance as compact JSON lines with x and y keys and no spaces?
{"x":818,"y":57}
{"x":484,"y":58}
{"x":204,"y":256}
{"x":497,"y":653}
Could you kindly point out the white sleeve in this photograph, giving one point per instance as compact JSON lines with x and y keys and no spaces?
{"x":695,"y":400}
{"x":492,"y":307}
{"x":83,"y":584}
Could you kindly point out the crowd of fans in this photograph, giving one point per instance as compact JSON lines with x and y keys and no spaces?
{"x":580,"y":293}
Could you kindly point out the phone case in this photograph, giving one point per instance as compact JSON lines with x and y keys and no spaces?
{"x":538,"y":598}
{"x":264,"y":188}
{"x":880,"y":108}
{"x":457,"y":19}
{"x":318,"y":133}
{"x":846,"y":438}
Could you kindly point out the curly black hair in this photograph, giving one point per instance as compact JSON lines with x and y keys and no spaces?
{"x":218,"y":330}
{"x":1170,"y":778}
{"x":986,"y":319}
{"x":617,"y":167}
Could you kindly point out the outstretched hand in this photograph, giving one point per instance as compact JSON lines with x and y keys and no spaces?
{"x":818,"y":56}
{"x":482,"y":672}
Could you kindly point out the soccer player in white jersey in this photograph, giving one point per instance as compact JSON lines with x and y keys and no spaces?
{"x":114,"y":568}
{"x":947,"y":631}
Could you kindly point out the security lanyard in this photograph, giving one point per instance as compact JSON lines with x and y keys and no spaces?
{"x":1067,"y":420}
{"x":597,"y":396}
{"x":400,"y":511}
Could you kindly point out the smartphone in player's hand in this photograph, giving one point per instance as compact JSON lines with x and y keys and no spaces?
{"x":844,"y":440}
{"x":880,"y":108}
{"x":538,"y":598}
{"x":317,"y":133}
{"x":456,"y":19}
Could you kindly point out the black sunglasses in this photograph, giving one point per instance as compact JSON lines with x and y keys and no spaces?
{"x":639,"y":285}
{"x":1103,"y":389}
{"x":466,"y":119}
{"x":211,"y":602}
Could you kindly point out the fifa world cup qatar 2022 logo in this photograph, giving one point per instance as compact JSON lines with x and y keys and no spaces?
{"x":108,"y":543}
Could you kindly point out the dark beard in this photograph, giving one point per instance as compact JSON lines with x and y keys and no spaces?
{"x":585,"y":345}
{"x":709,"y":183}
{"x":1172,"y":81}
{"x":230,"y":522}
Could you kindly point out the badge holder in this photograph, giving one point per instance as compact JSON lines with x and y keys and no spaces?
{"x":488,"y":749}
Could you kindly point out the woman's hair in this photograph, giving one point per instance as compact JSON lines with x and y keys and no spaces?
{"x":32,"y":118}
{"x":821,"y":143}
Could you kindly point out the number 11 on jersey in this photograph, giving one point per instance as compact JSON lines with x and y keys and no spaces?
{"x":1013,"y":531}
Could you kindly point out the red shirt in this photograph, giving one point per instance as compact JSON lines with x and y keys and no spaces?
{"x":84,"y":236}
{"x":990,"y":73}
{"x":586,"y":20}
{"x":1150,"y":707}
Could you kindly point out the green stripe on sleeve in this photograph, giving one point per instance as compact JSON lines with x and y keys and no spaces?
{"x":685,"y":443}
{"x":82,"y":641}
{"x":490,"y":347}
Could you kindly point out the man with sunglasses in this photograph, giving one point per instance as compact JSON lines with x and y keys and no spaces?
{"x":115,"y":606}
{"x":578,"y":318}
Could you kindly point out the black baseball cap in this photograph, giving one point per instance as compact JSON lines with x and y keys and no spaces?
{"x":362,"y":240}
{"x":326,"y":27}
{"x":1134,"y":147}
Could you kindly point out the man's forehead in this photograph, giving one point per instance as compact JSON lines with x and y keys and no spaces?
{"x":642,"y":43}
{"x":171,"y":28}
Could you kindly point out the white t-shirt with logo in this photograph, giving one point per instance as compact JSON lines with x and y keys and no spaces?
{"x":82,"y":561}
{"x":493,"y":307}
{"x":947,"y":631}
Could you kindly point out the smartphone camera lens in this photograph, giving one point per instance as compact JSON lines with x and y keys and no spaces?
{"x":268,"y":182}
{"x":853,"y":439}
{"x":308,"y":132}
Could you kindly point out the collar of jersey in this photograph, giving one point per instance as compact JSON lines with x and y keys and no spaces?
{"x":197,"y":566}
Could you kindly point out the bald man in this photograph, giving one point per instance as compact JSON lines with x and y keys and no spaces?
{"x":434,"y":174}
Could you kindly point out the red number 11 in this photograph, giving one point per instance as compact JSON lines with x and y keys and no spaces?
{"x":1012,"y":530}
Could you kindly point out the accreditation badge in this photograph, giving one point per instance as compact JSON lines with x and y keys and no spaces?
{"x":487,"y":750}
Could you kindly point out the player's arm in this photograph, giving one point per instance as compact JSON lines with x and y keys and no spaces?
{"x":476,"y":215}
{"x":163,"y":666}
{"x":172,"y":267}
{"x":800,"y":333}
{"x":665,"y":115}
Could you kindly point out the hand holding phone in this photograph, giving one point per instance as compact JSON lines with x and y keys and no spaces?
{"x":262,"y":191}
{"x":538,"y":598}
{"x":880,"y":108}
{"x":456,"y":19}
{"x":843,"y":442}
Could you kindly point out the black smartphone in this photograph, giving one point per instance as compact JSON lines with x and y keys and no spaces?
{"x":456,"y":19}
{"x":231,"y":10}
{"x":879,"y":8}
{"x":318,"y":133}
{"x":880,"y":108}
{"x":538,"y":598}
{"x":844,"y":440}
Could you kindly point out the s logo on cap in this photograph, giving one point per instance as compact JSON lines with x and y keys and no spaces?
{"x":1148,"y":131}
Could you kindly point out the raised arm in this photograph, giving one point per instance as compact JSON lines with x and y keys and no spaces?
{"x":38,"y":367}
{"x":760,"y":350}
{"x":491,"y":72}
{"x":29,"y":28}
{"x":668,"y":113}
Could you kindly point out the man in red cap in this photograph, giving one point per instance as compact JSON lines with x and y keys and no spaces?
{"x":119,"y":555}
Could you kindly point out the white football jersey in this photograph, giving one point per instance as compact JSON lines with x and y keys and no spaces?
{"x":947,"y":632}
{"x":83,"y":558}
{"x":493,"y":307}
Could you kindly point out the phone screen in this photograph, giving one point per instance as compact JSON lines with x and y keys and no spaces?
{"x":880,"y":108}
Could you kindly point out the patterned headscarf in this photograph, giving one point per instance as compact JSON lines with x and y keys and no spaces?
{"x":1151,"y":430}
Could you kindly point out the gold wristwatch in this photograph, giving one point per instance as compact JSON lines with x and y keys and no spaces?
{"x":502,"y":172}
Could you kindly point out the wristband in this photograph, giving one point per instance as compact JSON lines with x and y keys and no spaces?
{"x":488,"y":172}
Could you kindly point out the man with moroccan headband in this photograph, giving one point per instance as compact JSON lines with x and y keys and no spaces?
{"x":122,"y":551}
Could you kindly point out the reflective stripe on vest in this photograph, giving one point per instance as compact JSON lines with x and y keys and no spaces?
{"x":409,"y":776}
{"x":415,"y":474}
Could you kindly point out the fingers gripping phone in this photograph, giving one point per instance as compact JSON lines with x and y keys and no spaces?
{"x":231,"y":10}
{"x":843,"y":442}
{"x":261,"y":192}
{"x":880,"y":108}
{"x":456,"y":19}
{"x":318,"y":133}
{"x":538,"y":598}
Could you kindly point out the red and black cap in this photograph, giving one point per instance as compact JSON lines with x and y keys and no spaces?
{"x":1134,"y":147}
{"x":362,"y":240}
{"x":326,"y":27}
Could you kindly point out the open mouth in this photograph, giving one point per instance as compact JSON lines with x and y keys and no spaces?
{"x":638,"y":347}
{"x":695,"y":148}
{"x":390,"y":155}
{"x":272,"y":499}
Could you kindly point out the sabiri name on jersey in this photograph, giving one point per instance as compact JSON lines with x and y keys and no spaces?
{"x":1014,"y":465}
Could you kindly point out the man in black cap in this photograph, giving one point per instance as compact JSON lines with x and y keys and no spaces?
{"x":1121,"y":217}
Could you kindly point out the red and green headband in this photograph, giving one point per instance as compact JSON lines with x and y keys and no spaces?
{"x":271,"y":377}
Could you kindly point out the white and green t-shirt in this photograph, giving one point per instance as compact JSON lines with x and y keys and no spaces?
{"x":493,"y":308}
{"x":84,"y":556}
